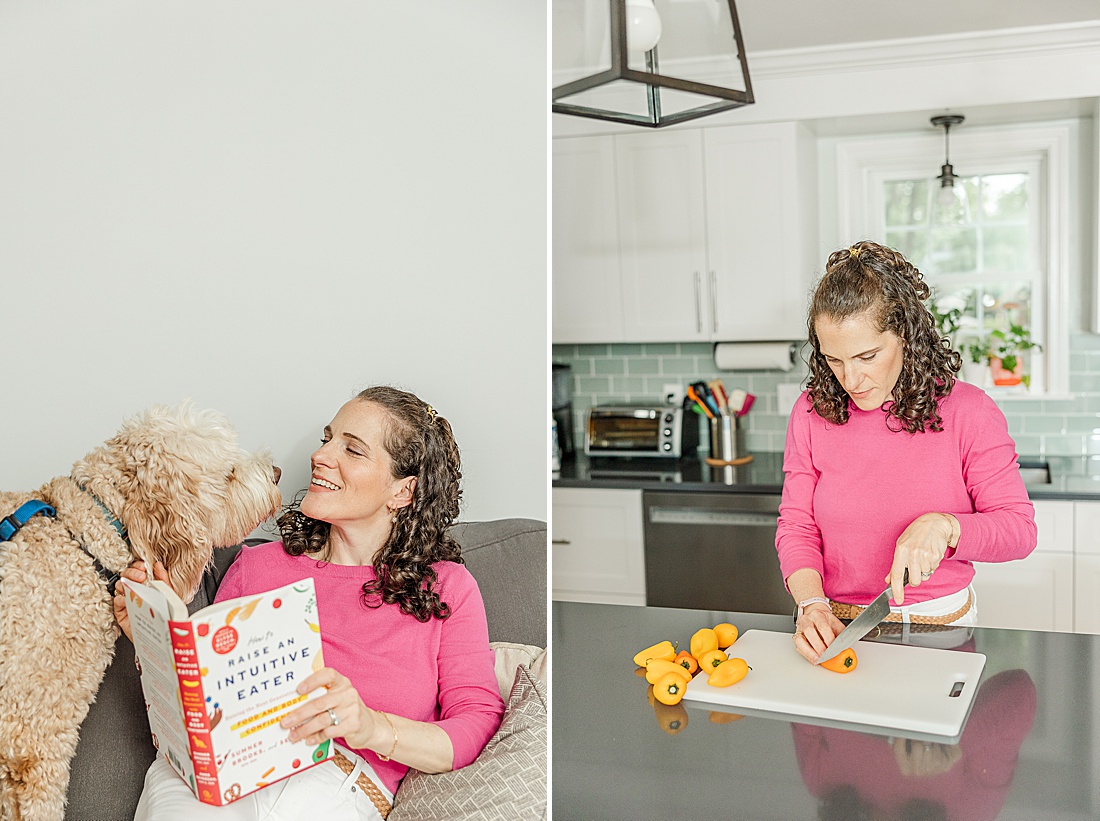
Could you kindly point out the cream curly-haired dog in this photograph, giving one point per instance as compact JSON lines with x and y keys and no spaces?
{"x":171,"y":485}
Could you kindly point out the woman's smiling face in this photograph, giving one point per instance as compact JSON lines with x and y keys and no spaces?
{"x":352,"y":474}
{"x":866,"y":361}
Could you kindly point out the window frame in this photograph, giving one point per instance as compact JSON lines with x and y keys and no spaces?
{"x":1043,"y":150}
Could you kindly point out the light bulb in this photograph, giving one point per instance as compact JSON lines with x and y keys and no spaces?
{"x":948,"y":196}
{"x":643,"y":25}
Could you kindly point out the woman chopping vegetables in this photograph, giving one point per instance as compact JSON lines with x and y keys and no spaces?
{"x":891,"y":463}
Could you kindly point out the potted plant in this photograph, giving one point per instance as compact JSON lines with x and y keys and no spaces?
{"x":1005,"y":349}
{"x":976,"y":360}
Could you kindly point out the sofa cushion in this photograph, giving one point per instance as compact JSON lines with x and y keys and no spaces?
{"x":508,"y":559}
{"x":507,"y":781}
{"x":509,"y":657}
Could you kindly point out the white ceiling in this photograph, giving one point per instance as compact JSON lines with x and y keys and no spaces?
{"x":784,"y":24}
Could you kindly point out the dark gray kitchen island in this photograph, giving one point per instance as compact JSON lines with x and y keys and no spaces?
{"x":1030,"y":749}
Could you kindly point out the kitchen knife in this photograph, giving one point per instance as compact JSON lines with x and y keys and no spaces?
{"x":863,"y":624}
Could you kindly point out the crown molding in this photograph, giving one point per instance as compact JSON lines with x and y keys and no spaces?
{"x":1033,"y":41}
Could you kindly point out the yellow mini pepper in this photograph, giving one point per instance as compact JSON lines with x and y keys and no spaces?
{"x":711,"y":659}
{"x":670,"y":688}
{"x":655,"y":669}
{"x":660,"y":650}
{"x":702,"y":642}
{"x":728,"y":672}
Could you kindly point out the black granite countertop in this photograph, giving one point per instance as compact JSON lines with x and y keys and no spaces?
{"x":1028,"y":750}
{"x":1071,"y":478}
{"x":764,"y":474}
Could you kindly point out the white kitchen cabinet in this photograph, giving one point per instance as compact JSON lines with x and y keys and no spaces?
{"x":1035,"y":593}
{"x":597,"y":553}
{"x":662,"y":232}
{"x":586,"y":281}
{"x":713,"y":233}
{"x":1086,"y":577}
{"x":761,"y":195}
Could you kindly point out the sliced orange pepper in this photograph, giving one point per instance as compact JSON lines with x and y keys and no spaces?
{"x":711,"y":659}
{"x":845,"y":662}
{"x":728,"y":672}
{"x":670,"y":688}
{"x":687,"y":661}
{"x":660,"y":650}
{"x":726,"y":633}
{"x":702,"y":642}
{"x":656,"y":669}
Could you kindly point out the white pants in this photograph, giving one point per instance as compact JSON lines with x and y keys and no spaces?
{"x":323,"y":791}
{"x":949,"y":635}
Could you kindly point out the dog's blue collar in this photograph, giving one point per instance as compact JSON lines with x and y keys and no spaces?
{"x":114,"y":520}
{"x":10,"y":524}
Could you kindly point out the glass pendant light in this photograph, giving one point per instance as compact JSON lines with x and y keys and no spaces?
{"x":950,"y":194}
{"x":606,"y":64}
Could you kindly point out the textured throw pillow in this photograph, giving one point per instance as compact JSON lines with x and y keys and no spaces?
{"x":507,"y":781}
{"x":509,"y":656}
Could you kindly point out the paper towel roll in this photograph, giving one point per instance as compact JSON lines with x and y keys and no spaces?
{"x":754,"y":356}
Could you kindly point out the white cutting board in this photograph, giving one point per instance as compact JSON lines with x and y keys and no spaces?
{"x":894,"y":686}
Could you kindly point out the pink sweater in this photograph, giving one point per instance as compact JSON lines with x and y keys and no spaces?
{"x":850,"y":491}
{"x":441,"y":671}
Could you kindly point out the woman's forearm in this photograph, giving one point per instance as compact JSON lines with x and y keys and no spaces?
{"x":417,"y":744}
{"x":805,"y":584}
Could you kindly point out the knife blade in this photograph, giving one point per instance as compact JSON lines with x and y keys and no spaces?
{"x":863,"y":624}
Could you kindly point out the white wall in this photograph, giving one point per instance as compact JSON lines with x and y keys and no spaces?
{"x":267,"y":206}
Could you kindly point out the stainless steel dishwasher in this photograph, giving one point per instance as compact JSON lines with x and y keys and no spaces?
{"x":713,"y":551}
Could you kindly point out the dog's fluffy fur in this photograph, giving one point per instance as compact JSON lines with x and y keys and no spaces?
{"x":181,"y":485}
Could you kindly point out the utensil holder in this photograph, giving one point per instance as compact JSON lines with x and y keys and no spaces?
{"x":727,"y":442}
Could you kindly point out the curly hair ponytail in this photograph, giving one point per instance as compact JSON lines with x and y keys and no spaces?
{"x":420,"y":443}
{"x":868,"y":277}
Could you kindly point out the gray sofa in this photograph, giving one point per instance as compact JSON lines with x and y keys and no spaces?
{"x":507,"y":557}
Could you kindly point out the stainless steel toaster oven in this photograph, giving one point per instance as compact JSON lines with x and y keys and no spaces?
{"x":641,"y":430}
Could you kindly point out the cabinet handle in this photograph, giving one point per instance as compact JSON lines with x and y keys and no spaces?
{"x":714,"y":302}
{"x":560,"y":541}
{"x":698,"y":306}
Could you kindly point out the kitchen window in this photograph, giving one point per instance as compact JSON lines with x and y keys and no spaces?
{"x":995,"y":248}
{"x":977,"y":245}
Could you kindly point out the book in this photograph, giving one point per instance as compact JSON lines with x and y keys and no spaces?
{"x":217,"y":684}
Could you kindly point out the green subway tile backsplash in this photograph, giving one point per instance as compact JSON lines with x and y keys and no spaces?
{"x":605,"y":374}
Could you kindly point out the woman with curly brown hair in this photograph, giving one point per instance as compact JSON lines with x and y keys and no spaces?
{"x":891,"y":463}
{"x":408,"y":668}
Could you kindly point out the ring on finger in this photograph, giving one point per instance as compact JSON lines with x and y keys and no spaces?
{"x":333,"y":717}
{"x":926,"y":576}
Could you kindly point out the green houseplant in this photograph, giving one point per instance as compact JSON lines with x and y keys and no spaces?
{"x":1003,"y":350}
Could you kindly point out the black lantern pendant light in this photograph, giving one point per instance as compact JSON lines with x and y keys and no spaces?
{"x":636,"y":28}
{"x":947,"y":173}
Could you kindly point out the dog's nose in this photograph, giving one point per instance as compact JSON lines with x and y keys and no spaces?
{"x":278,"y":473}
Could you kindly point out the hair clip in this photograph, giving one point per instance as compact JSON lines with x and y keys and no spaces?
{"x":431,"y":412}
{"x":853,"y":252}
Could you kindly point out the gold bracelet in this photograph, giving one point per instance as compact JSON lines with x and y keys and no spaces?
{"x":394,"y":747}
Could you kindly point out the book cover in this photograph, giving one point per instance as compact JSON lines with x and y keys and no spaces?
{"x":217,"y":684}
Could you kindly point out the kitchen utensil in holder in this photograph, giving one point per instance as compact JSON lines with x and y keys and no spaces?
{"x":727,"y":442}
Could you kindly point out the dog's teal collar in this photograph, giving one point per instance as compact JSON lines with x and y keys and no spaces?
{"x":114,"y":520}
{"x":109,"y":576}
{"x":11,"y":523}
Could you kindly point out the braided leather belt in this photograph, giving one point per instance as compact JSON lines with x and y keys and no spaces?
{"x":850,"y":611}
{"x":364,"y":783}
